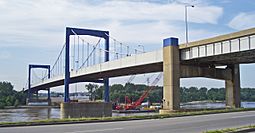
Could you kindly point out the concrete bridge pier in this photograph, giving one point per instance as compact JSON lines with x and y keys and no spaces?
{"x":36,"y":95}
{"x":231,"y":76}
{"x":233,"y":87}
{"x":171,"y":72}
{"x":85,"y":109}
{"x":49,"y":99}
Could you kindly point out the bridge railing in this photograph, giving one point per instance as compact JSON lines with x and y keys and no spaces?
{"x":219,"y":47}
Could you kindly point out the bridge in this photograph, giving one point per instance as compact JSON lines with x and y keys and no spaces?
{"x":218,"y":58}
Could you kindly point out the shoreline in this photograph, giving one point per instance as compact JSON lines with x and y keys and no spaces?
{"x":58,"y":106}
{"x":120,"y":118}
{"x":206,"y":101}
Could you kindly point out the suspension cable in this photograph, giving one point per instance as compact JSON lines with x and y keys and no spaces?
{"x":90,"y":54}
{"x":109,"y":51}
{"x":121,"y":42}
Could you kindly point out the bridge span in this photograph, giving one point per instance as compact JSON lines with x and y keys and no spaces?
{"x":196,"y":59}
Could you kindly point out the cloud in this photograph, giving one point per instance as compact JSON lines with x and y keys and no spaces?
{"x":42,"y":23}
{"x":243,"y":21}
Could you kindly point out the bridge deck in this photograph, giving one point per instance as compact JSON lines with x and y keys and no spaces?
{"x":137,"y":64}
{"x":232,"y":48}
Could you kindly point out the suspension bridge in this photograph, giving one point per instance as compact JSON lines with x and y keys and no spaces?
{"x":81,"y":61}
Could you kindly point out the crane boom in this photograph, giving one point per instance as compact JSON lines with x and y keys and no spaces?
{"x":143,"y":96}
{"x":131,"y":78}
{"x":146,"y":93}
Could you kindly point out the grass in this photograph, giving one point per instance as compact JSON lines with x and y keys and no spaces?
{"x":233,"y":130}
{"x":123,"y":118}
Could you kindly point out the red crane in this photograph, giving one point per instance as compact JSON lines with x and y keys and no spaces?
{"x":144,"y":95}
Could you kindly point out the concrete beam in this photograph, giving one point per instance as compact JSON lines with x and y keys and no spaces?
{"x":208,"y":72}
{"x":241,"y":57}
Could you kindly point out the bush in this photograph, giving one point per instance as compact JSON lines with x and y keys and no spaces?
{"x":2,"y":105}
{"x":16,"y":104}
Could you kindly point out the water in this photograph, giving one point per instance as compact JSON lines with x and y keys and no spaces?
{"x":28,"y":114}
{"x":215,"y":105}
{"x":38,"y":113}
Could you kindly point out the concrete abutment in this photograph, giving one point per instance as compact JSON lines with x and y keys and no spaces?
{"x":85,"y":109}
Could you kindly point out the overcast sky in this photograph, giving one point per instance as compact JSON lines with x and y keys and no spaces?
{"x":33,"y":31}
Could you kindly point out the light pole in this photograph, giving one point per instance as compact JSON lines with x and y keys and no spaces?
{"x":186,"y":22}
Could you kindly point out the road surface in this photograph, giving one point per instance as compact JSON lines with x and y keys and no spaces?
{"x":189,"y":124}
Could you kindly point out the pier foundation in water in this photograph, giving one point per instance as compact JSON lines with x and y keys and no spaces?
{"x":85,"y":109}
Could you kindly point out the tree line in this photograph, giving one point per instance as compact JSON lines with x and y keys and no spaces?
{"x":10,"y":97}
{"x":134,"y":91}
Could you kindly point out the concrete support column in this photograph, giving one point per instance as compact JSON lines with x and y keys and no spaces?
{"x":171,"y":70}
{"x":67,"y":66}
{"x":106,"y":80}
{"x":48,"y":99}
{"x":233,"y":87}
{"x":48,"y":94}
{"x":37,"y":96}
{"x":29,"y":84}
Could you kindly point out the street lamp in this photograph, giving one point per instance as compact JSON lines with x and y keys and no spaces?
{"x":142,"y":47}
{"x":186,"y":21}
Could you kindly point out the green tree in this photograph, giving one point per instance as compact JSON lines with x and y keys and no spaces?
{"x":9,"y":101}
{"x":185,"y":94}
{"x":202,"y":94}
{"x":99,"y":93}
{"x":156,"y":95}
{"x":248,"y":94}
{"x":193,"y":94}
{"x":8,"y":96}
{"x":134,"y":91}
{"x":216,"y":94}
{"x":16,"y":103}
{"x":91,"y":90}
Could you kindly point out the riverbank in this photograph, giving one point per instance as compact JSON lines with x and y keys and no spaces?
{"x":124,"y":118}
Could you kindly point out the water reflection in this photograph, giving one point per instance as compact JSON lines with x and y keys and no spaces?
{"x":28,"y":114}
{"x":38,"y":113}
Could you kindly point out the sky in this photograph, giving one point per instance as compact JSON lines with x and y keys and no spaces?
{"x":33,"y":31}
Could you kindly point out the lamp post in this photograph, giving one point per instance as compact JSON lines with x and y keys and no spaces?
{"x":186,"y":22}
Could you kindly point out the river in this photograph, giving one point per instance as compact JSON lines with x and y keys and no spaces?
{"x":37,"y":113}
